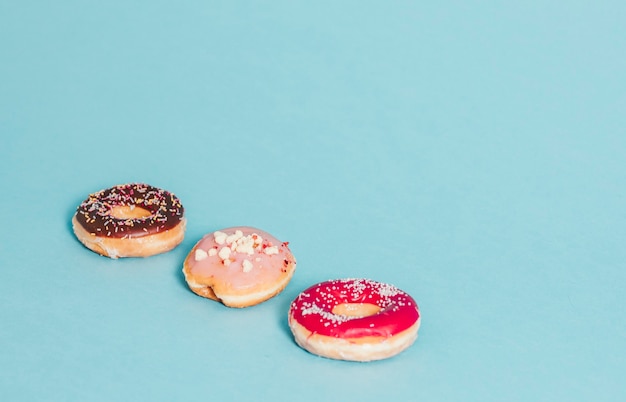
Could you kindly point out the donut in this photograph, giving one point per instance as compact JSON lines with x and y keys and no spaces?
{"x":130,"y":220}
{"x":239,"y":266}
{"x":354,"y":319}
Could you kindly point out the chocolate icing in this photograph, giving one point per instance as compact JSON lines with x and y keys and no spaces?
{"x":94,"y":214}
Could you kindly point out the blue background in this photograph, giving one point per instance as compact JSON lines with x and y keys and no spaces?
{"x":471,"y":153}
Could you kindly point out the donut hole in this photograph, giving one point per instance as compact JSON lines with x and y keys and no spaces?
{"x":356,"y":309}
{"x":129,"y":212}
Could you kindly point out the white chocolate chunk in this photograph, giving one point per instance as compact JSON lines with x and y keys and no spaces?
{"x":212,"y":252}
{"x":200,"y":255}
{"x":220,"y":237}
{"x":271,"y":250}
{"x":224,"y":253}
{"x":234,"y":237}
{"x":247,"y":266}
{"x":245,"y":245}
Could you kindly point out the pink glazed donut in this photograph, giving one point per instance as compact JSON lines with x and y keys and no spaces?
{"x":239,"y":266}
{"x":354,"y":319}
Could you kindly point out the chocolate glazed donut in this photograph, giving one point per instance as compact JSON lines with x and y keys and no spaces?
{"x":130,"y":220}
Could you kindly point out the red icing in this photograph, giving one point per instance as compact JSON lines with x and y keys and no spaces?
{"x":313,"y":309}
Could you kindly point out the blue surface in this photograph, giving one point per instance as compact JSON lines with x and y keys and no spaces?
{"x":471,"y":154}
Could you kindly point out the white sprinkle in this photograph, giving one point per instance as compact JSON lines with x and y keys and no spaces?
{"x":200,"y":255}
{"x":386,"y":290}
{"x":247,"y":266}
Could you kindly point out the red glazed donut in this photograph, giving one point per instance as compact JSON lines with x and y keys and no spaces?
{"x":130,"y":220}
{"x":354,"y":319}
